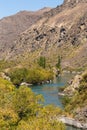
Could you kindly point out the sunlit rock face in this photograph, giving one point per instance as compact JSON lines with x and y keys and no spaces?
{"x":73,"y":3}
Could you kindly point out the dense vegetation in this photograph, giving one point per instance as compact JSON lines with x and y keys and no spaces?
{"x":31,"y":76}
{"x":21,"y":109}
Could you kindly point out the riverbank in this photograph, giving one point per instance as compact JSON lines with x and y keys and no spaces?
{"x":75,"y":99}
{"x":73,"y":122}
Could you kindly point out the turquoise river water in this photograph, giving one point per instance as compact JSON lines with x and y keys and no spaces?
{"x":50,"y":91}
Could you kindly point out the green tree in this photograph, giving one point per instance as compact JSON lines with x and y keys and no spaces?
{"x":42,"y":62}
{"x":58,"y":65}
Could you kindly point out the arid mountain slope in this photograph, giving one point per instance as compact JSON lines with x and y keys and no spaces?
{"x":61,"y":31}
{"x":12,"y":26}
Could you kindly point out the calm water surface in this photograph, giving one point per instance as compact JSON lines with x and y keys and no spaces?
{"x":50,"y":91}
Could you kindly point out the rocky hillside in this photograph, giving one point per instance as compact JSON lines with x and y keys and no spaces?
{"x":77,"y":97}
{"x":12,"y":26}
{"x":61,"y":31}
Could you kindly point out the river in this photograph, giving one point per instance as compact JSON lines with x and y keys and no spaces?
{"x":50,"y":91}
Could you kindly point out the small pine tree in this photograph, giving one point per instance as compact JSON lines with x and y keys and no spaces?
{"x":58,"y":65}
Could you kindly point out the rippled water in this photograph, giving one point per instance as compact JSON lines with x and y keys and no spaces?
{"x":50,"y":91}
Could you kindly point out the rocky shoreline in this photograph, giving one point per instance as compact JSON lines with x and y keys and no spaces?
{"x":73,"y":122}
{"x":80,"y":117}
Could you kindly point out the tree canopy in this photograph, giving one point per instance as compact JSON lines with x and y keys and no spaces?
{"x":22,"y":109}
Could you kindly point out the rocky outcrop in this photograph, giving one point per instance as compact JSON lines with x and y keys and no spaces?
{"x":4,"y":76}
{"x":71,"y":89}
{"x":73,"y":122}
{"x":25,"y":84}
{"x":78,"y":100}
{"x":81,"y":114}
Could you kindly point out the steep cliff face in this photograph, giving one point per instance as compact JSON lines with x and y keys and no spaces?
{"x":61,"y":31}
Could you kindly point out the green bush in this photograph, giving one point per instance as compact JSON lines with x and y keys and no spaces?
{"x":33,"y":76}
{"x":66,"y":100}
{"x":18,"y":76}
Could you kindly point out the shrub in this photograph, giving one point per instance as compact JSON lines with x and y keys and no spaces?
{"x":66,"y":100}
{"x":18,"y":75}
{"x":33,"y":76}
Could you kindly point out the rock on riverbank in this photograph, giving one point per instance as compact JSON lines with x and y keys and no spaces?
{"x":73,"y":86}
{"x":73,"y":122}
